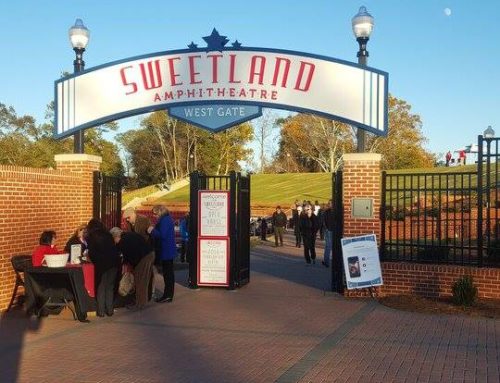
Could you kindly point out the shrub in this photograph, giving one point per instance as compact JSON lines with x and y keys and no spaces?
{"x":464,"y":291}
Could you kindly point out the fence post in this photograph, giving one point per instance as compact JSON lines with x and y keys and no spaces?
{"x":382,"y":216}
{"x":194,"y":178}
{"x":480,"y":200}
{"x":232,"y":230}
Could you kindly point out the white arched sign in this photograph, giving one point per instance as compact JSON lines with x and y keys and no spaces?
{"x":217,"y":87}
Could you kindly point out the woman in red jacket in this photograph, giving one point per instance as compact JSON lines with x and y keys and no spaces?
{"x":47,"y":246}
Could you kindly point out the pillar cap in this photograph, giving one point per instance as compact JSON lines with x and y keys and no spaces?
{"x":77,"y":157}
{"x":362,"y":157}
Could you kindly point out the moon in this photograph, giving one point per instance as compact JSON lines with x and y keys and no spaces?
{"x":447,"y":12}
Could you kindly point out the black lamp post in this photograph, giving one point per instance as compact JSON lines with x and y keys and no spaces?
{"x":362,"y":26}
{"x":79,"y":37}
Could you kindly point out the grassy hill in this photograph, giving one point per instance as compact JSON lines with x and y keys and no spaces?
{"x":272,"y":189}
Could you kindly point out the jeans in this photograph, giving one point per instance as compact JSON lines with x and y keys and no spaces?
{"x":328,"y":247}
{"x":278,"y":235}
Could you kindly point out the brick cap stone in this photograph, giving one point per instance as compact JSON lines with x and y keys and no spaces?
{"x":77,"y":157}
{"x":362,"y":157}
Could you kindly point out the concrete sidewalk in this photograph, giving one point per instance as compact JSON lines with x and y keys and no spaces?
{"x":283,"y":327}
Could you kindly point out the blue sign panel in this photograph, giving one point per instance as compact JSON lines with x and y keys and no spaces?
{"x":215,"y":117}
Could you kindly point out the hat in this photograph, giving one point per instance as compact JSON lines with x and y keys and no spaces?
{"x":127,"y":213}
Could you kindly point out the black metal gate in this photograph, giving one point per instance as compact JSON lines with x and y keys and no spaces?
{"x":107,"y":199}
{"x":488,"y":201}
{"x":238,"y":186}
{"x":338,"y":281}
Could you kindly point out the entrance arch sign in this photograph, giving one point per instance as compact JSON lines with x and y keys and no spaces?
{"x":217,"y":87}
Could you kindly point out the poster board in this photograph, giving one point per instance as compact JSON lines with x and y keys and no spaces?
{"x":213,"y":210}
{"x":213,"y":262}
{"x":361,"y":262}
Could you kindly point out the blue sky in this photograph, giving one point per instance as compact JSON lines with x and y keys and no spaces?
{"x":445,"y":66}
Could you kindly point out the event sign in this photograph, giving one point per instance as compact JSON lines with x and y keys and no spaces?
{"x":361,"y":262}
{"x":216,"y":87}
{"x":213,"y":213}
{"x":213,"y":261}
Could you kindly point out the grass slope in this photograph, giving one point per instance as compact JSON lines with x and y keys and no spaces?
{"x":270,"y":189}
{"x":276,"y":188}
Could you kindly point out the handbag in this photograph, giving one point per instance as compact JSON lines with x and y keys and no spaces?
{"x":127,"y":284}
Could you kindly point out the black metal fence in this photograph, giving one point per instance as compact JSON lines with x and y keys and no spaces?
{"x":338,"y":282}
{"x":448,"y":217}
{"x":107,"y":204}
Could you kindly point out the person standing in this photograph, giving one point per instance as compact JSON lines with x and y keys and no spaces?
{"x":137,"y":223}
{"x":279,"y":224}
{"x":296,"y":227}
{"x":462,"y":157}
{"x":183,"y":228}
{"x":138,"y":254}
{"x":106,"y":259}
{"x":328,"y":222}
{"x":308,"y":228}
{"x":263,"y":229}
{"x":164,"y":234}
{"x":448,"y":158}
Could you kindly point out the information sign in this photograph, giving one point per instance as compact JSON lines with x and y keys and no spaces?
{"x":213,"y":213}
{"x":361,"y":262}
{"x":213,"y":262}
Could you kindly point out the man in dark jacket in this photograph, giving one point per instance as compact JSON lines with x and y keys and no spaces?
{"x":138,"y":254}
{"x":279,"y":224}
{"x":328,"y":222}
{"x":309,"y":226}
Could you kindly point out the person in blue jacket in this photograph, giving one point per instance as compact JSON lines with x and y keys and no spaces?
{"x":164,"y":233}
{"x":183,"y":227}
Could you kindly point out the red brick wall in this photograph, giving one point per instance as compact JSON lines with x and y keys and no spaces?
{"x":33,"y":200}
{"x":361,"y":179}
{"x":431,"y":280}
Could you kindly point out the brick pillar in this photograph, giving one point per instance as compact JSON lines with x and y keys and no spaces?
{"x":361,"y":180}
{"x":83,"y":165}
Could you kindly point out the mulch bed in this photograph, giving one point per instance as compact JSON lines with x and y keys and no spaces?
{"x":488,"y":308}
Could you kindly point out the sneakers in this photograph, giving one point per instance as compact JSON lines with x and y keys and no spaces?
{"x":325,"y":264}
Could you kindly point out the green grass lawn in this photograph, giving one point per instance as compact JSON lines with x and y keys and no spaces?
{"x":276,"y":188}
{"x":269,"y":189}
{"x":140,"y":193}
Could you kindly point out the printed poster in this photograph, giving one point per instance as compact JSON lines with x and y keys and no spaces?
{"x":213,"y":213}
{"x":213,"y":262}
{"x":361,"y":262}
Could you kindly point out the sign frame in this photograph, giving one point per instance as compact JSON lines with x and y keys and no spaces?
{"x":199,"y":267}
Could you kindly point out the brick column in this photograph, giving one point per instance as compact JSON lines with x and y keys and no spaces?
{"x":361,"y":179}
{"x":82,"y":165}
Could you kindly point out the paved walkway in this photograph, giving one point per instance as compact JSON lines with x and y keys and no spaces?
{"x":283,"y":327}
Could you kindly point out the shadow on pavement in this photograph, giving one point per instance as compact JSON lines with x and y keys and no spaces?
{"x":13,"y":327}
{"x":288,"y":263}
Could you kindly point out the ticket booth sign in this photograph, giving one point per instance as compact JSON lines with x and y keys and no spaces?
{"x":213,"y":262}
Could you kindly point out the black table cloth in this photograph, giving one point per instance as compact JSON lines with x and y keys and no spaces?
{"x":60,"y":285}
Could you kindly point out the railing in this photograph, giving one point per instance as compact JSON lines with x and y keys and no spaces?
{"x":444,"y":217}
